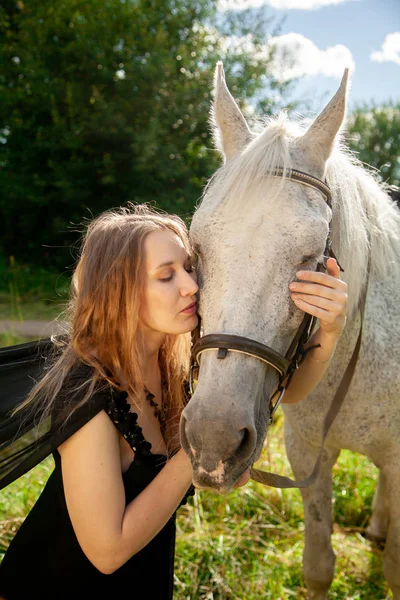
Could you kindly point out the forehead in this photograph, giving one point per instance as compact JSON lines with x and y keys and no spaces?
{"x":297,"y":212}
{"x":163,"y":245}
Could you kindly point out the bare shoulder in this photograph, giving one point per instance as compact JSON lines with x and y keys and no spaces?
{"x":98,"y":434}
{"x":91,"y":467}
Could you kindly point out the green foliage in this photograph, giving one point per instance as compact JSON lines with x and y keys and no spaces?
{"x":105,"y":102}
{"x":374,"y":134}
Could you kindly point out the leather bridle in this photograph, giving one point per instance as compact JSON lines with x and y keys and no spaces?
{"x":285,"y":365}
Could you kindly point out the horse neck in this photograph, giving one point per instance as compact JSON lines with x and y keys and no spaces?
{"x":365,"y":228}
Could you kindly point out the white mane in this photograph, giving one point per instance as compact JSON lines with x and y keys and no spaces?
{"x":364,"y":215}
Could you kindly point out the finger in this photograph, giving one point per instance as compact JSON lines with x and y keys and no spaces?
{"x":333,"y":268}
{"x":316,"y":311}
{"x":336,"y":308}
{"x":315,"y":289}
{"x":321,"y":278}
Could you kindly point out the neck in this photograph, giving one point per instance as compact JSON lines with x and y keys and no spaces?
{"x":152,"y":374}
{"x":151,"y":343}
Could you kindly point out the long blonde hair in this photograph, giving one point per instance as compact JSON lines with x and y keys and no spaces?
{"x":103,"y":314}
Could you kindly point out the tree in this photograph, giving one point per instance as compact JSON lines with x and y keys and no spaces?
{"x":107,"y":101}
{"x":374,"y":134}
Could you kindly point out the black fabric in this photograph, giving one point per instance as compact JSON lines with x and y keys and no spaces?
{"x":44,"y":559}
{"x":24,"y":439}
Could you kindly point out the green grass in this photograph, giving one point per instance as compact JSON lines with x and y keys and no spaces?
{"x":39,"y":310}
{"x":31,"y":283}
{"x":18,"y":498}
{"x":248,"y":544}
{"x":28,"y":292}
{"x":11,"y":339}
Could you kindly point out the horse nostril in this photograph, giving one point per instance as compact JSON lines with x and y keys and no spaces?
{"x":208,"y":442}
{"x":182,"y":432}
{"x":245,"y":437}
{"x":247,"y":444}
{"x":184,"y":438}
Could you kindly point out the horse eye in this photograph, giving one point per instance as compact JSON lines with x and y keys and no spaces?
{"x":308,"y":259}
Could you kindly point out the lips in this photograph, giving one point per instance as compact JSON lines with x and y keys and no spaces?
{"x":190,"y":308}
{"x":243,"y":479}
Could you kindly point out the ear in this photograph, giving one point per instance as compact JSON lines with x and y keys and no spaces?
{"x":230,"y":130}
{"x":320,"y":137}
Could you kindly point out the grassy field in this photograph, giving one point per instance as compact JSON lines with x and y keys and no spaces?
{"x":28,"y":292}
{"x":248,"y":544}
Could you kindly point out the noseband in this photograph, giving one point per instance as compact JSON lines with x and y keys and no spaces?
{"x":285,"y":365}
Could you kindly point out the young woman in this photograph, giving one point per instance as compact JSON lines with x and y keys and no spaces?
{"x":104,"y":524}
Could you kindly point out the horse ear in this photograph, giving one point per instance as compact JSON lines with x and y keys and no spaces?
{"x":230,"y":130}
{"x":320,"y":137}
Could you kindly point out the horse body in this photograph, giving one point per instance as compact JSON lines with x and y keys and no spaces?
{"x":368,"y":423}
{"x":252,"y":232}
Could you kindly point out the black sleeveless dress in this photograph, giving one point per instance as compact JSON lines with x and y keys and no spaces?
{"x":44,"y":559}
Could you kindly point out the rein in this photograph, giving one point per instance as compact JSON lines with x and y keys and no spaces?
{"x":285,"y":365}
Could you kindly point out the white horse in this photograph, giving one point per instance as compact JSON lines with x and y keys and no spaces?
{"x":252,"y":231}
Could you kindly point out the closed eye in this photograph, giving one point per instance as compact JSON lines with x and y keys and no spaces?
{"x":189,"y":268}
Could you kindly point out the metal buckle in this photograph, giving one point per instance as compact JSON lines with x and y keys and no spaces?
{"x":193,"y":377}
{"x":277,"y":403}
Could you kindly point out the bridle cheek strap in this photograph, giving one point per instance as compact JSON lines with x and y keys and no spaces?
{"x":280,"y":481}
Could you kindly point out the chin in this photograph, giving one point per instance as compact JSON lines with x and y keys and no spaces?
{"x":195,"y":322}
{"x":190,"y":324}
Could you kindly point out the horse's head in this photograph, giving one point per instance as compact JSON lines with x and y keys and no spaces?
{"x":252,"y":232}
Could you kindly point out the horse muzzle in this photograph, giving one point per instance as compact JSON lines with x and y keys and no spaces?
{"x":221,"y":448}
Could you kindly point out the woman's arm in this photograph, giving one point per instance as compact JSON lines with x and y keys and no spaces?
{"x":109,"y":532}
{"x":324,"y":296}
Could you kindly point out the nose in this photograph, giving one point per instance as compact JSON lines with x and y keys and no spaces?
{"x":189,"y":285}
{"x":218,"y":446}
{"x":236,"y":443}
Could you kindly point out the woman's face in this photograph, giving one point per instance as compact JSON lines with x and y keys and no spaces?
{"x":170,"y":286}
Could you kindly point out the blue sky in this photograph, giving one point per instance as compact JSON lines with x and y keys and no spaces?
{"x":322,"y":36}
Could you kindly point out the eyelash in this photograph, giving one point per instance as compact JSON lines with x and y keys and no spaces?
{"x":191,"y":269}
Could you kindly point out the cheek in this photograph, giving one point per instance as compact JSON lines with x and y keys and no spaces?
{"x":149,"y":305}
{"x":160,"y":300}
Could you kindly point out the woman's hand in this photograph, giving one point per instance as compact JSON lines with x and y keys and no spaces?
{"x":324,"y":296}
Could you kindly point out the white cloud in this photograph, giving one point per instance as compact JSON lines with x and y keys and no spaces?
{"x":278,"y":4}
{"x":297,"y":56}
{"x":390,"y":51}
